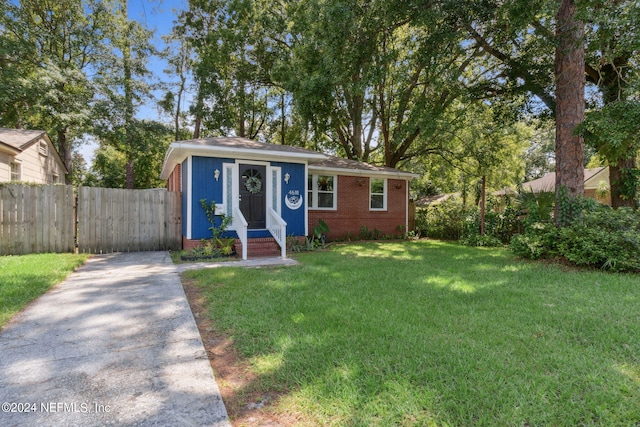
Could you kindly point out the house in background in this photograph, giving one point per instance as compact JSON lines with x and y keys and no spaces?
{"x":596,"y":184}
{"x":275,"y":191}
{"x":29,"y":156}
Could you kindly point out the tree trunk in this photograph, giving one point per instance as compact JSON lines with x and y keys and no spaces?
{"x":198,"y":113}
{"x":616,"y":177}
{"x":64,"y":149}
{"x":128,"y":101}
{"x":482,"y":204}
{"x":613,"y":84}
{"x":130,"y":177}
{"x":570,"y":102}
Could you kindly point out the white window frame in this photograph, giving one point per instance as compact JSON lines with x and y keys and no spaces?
{"x":274,"y":187}
{"x":384,"y":194}
{"x":313,"y":200}
{"x":15,"y":175}
{"x":43,"y":148}
{"x":229,"y":190}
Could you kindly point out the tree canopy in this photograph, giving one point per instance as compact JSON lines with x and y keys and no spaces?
{"x":439,"y":87}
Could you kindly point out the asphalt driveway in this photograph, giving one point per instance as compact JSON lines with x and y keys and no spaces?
{"x":116,"y":344}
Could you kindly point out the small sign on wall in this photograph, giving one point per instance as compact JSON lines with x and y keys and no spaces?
{"x":293,"y":199}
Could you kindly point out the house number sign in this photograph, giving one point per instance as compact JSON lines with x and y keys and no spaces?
{"x":293,"y":199}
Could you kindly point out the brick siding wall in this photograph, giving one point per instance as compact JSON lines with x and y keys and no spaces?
{"x":173,"y":183}
{"x":353,"y":209}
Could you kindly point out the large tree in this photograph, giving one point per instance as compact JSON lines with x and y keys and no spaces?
{"x":229,"y":70}
{"x":122,"y":80}
{"x":570,"y":102}
{"x":46,"y":50}
{"x":520,"y":38}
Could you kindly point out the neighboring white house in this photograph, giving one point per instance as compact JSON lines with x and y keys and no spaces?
{"x":29,"y":156}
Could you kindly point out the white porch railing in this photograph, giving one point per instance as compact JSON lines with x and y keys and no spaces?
{"x":278,"y":229}
{"x":240,"y":225}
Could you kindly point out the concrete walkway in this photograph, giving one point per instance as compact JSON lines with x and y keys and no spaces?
{"x":114,"y":344}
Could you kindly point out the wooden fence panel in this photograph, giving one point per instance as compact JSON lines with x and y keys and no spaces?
{"x":36,"y":219}
{"x":128,"y":220}
{"x":49,"y":218}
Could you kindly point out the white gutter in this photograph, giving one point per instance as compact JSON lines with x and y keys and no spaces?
{"x":363,"y":172}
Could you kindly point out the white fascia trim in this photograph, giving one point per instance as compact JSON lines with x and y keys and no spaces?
{"x":177,"y":152}
{"x":359,"y":172}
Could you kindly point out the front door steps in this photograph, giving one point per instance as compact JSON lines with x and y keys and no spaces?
{"x":259,"y":247}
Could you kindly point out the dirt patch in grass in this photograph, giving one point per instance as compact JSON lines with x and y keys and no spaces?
{"x":245,"y":405}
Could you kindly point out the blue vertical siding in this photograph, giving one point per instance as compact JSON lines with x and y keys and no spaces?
{"x":205,"y":187}
{"x":297,"y":183}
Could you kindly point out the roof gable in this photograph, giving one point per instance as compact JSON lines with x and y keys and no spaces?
{"x":19,"y":138}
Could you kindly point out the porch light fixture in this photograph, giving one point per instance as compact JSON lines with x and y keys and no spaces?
{"x":287,"y":177}
{"x":216,"y":174}
{"x":398,"y":185}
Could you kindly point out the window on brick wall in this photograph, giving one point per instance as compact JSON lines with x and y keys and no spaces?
{"x":321,"y":191}
{"x":378,"y":194}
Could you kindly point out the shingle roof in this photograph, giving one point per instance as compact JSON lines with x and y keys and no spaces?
{"x":337,"y":163}
{"x":548,"y":182}
{"x":19,"y":138}
{"x":247,"y":148}
{"x":245,"y":144}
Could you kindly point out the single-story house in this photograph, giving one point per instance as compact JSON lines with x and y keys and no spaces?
{"x":29,"y":155}
{"x":596,"y":184}
{"x":276,"y":191}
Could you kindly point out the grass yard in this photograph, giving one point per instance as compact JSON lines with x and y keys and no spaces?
{"x":431,"y":333}
{"x":24,"y":278}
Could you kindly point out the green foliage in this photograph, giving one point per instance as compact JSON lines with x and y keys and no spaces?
{"x":537,"y":207}
{"x":539,"y":240}
{"x":219,"y":222}
{"x":499,"y":227}
{"x":295,"y":244}
{"x":599,"y":237}
{"x":442,"y":220}
{"x":605,"y":238}
{"x":613,"y":129}
{"x":24,"y":278}
{"x":571,"y":209}
{"x":366,"y":234}
{"x":318,"y":238}
{"x":110,"y":158}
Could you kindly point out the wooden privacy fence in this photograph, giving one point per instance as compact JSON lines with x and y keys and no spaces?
{"x":36,"y":218}
{"x":52,"y":218}
{"x":114,"y":220}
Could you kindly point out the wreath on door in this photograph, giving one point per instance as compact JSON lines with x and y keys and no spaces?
{"x":253,"y":184}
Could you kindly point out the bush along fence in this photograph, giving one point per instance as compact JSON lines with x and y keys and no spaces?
{"x":57,"y":218}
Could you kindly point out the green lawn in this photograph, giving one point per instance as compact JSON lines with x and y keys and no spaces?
{"x":430,"y":333}
{"x":24,"y":278}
